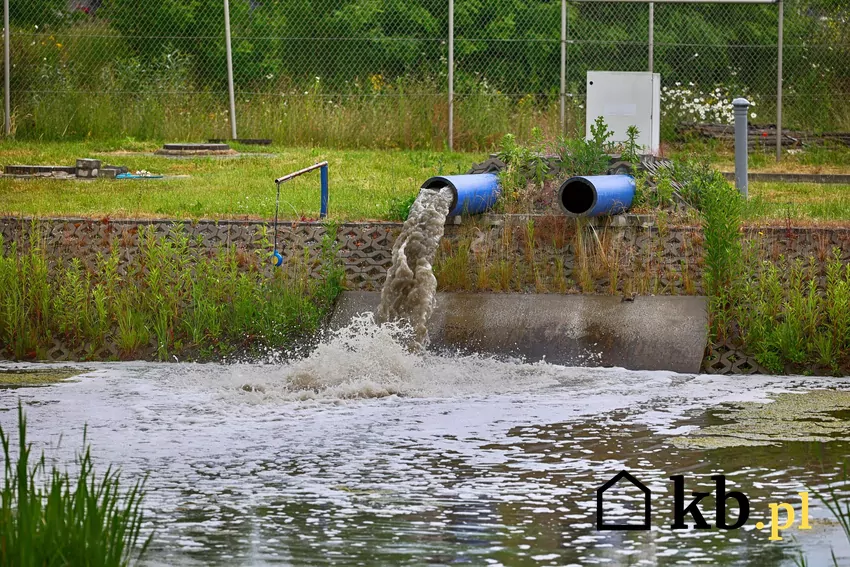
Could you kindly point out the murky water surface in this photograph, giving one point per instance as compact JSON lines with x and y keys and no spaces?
{"x":399,"y":460}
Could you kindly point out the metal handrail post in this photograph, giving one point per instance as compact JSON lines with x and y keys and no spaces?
{"x":323,"y":212}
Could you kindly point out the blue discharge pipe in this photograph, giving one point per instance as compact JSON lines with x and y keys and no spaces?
{"x":596,"y":195}
{"x":471,"y":194}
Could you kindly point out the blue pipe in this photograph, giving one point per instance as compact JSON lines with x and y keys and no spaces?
{"x":471,"y":194}
{"x":596,"y":195}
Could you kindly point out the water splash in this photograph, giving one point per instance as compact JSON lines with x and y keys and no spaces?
{"x":367,"y":360}
{"x":409,"y":292}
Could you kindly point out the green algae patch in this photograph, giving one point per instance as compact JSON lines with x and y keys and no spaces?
{"x":23,"y":378}
{"x":817,"y":416}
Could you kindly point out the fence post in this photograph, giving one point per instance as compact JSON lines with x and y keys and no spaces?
{"x":451,"y":74}
{"x":229,"y":69}
{"x":6,"y":72}
{"x":563,"y":66}
{"x":779,"y":83}
{"x":741,"y":105}
{"x":651,"y":36}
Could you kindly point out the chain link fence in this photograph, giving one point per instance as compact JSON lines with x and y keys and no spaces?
{"x":374,"y":73}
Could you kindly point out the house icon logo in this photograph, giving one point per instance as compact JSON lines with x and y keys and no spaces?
{"x":647,"y":504}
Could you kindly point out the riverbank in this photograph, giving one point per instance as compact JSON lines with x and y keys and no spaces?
{"x":76,"y":258}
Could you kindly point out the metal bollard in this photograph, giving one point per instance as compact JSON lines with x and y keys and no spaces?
{"x":741,"y":106}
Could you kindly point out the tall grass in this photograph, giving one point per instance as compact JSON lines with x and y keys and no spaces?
{"x":791,"y":317}
{"x":175,"y":298}
{"x":722,"y":208}
{"x":556,"y":254}
{"x":417,"y":120}
{"x":48,"y":518}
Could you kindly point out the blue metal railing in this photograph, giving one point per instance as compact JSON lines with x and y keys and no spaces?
{"x":323,"y":211}
{"x":323,"y":166}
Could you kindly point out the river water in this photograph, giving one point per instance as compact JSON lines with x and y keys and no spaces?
{"x":364,"y":454}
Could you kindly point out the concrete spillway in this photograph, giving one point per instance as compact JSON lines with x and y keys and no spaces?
{"x":649,"y":333}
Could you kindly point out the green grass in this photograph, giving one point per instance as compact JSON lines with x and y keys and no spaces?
{"x":364,"y":184}
{"x":48,"y":518}
{"x":811,"y":159}
{"x":797,"y":202}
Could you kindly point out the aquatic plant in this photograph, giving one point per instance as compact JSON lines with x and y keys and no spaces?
{"x":48,"y":517}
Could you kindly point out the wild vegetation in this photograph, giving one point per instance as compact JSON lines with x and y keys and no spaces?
{"x":792,"y":316}
{"x":173,"y":299}
{"x":358,"y":74}
{"x":49,"y":517}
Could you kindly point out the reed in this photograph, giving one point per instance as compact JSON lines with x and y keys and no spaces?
{"x":48,"y":517}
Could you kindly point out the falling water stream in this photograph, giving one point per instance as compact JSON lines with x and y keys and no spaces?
{"x":409,"y":292}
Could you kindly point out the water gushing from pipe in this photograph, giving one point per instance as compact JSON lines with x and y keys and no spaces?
{"x":409,"y":292}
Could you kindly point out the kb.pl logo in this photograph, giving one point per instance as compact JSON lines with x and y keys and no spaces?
{"x":681,"y":511}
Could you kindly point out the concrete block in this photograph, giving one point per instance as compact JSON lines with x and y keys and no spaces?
{"x":88,"y":163}
{"x":644,"y":333}
{"x":38,"y":169}
{"x":108,"y":173}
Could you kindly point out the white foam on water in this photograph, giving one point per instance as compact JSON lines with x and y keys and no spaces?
{"x":367,"y":360}
{"x":442,"y":435}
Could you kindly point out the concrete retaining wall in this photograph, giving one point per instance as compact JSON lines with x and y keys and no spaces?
{"x":648,"y":333}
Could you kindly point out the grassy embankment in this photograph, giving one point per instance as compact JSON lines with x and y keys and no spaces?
{"x":785,"y":321}
{"x":174,"y":298}
{"x":364,"y":184}
{"x":772,"y":202}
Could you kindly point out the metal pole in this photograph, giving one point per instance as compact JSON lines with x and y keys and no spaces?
{"x":779,"y":84}
{"x":563,"y":66}
{"x":741,"y":105}
{"x":451,"y":74}
{"x":229,"y":69}
{"x":6,"y":57}
{"x":651,"y":35}
{"x":323,"y":171}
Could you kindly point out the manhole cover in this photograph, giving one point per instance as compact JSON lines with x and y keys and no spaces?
{"x":195,"y":149}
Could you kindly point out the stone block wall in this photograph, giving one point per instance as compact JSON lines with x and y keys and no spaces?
{"x":670,"y":257}
{"x":365,"y":249}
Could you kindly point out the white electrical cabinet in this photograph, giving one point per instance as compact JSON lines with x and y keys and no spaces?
{"x":626,"y":99}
